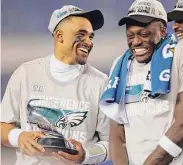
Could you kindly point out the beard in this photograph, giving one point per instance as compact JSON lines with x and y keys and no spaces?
{"x":80,"y":60}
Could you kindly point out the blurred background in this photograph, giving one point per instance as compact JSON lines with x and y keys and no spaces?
{"x":25,"y":36}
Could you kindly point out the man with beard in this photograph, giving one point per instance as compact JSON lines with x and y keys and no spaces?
{"x":177,"y":16}
{"x":59,"y":94}
{"x":144,"y":96}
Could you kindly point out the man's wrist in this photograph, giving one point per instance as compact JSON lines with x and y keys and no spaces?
{"x":94,"y":154}
{"x":84,"y":156}
{"x":173,"y":149}
{"x":13,"y":136}
{"x":158,"y":156}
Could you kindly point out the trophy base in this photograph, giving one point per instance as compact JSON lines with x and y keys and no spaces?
{"x":55,"y":144}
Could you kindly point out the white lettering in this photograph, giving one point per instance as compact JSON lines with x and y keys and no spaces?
{"x":69,"y":104}
{"x":53,"y":102}
{"x":75,"y":104}
{"x":149,"y":108}
{"x":115,"y":82}
{"x":75,"y":135}
{"x":165,"y":75}
{"x":87,"y":106}
{"x":82,"y":137}
{"x":167,"y":51}
{"x":109,"y":84}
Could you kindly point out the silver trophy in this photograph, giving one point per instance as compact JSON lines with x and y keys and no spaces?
{"x":55,"y":143}
{"x":51,"y":121}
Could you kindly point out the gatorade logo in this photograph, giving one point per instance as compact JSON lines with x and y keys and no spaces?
{"x":165,"y":75}
{"x":113,"y":83}
{"x":168,"y":51}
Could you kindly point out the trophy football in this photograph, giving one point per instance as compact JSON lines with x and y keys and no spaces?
{"x":55,"y":143}
{"x":51,"y":121}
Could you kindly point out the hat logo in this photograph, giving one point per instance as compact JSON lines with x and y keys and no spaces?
{"x":60,"y":14}
{"x":74,"y":9}
{"x":139,"y":9}
{"x":179,"y":5}
{"x":132,"y":10}
{"x":153,"y":11}
{"x":160,"y":13}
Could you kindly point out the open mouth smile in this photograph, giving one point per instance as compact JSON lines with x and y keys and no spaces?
{"x":140,"y":51}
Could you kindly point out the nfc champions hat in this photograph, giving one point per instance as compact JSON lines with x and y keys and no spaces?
{"x":144,"y":11}
{"x":95,"y":16}
{"x":177,"y":13}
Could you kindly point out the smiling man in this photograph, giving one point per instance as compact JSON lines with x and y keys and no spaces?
{"x":59,"y":94}
{"x":177,"y":16}
{"x":144,"y":96}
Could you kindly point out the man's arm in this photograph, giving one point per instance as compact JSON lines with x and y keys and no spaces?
{"x":175,"y":133}
{"x":117,"y":144}
{"x":5,"y":130}
{"x":99,"y":152}
{"x":11,"y":135}
{"x":26,"y":140}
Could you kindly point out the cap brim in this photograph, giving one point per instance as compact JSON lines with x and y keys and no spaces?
{"x":175,"y":15}
{"x":95,"y":17}
{"x":139,"y":18}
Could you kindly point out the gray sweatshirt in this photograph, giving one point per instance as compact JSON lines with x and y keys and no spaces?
{"x":34,"y":100}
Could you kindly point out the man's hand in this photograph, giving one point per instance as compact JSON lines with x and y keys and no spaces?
{"x":79,"y":158}
{"x":117,"y":144}
{"x":28,"y":145}
{"x":175,"y":133}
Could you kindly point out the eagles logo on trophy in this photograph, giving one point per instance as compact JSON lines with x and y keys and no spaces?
{"x":52,"y":121}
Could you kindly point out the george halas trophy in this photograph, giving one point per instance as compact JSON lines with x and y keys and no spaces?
{"x":51,"y":121}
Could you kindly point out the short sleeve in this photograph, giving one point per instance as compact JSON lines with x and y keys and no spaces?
{"x":10,"y":104}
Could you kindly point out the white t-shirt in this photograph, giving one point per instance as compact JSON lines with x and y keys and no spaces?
{"x":34,"y":100}
{"x":148,"y":121}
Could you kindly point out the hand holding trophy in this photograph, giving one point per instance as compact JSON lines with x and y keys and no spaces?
{"x":70,"y":158}
{"x":55,"y":143}
{"x":68,"y":151}
{"x":27,"y":143}
{"x":52,"y":121}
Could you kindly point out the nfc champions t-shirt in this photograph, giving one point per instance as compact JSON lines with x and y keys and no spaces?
{"x":34,"y":100}
{"x":149,"y":119}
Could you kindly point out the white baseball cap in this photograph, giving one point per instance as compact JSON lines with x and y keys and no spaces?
{"x":177,"y":13}
{"x":144,"y":11}
{"x":95,"y":16}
